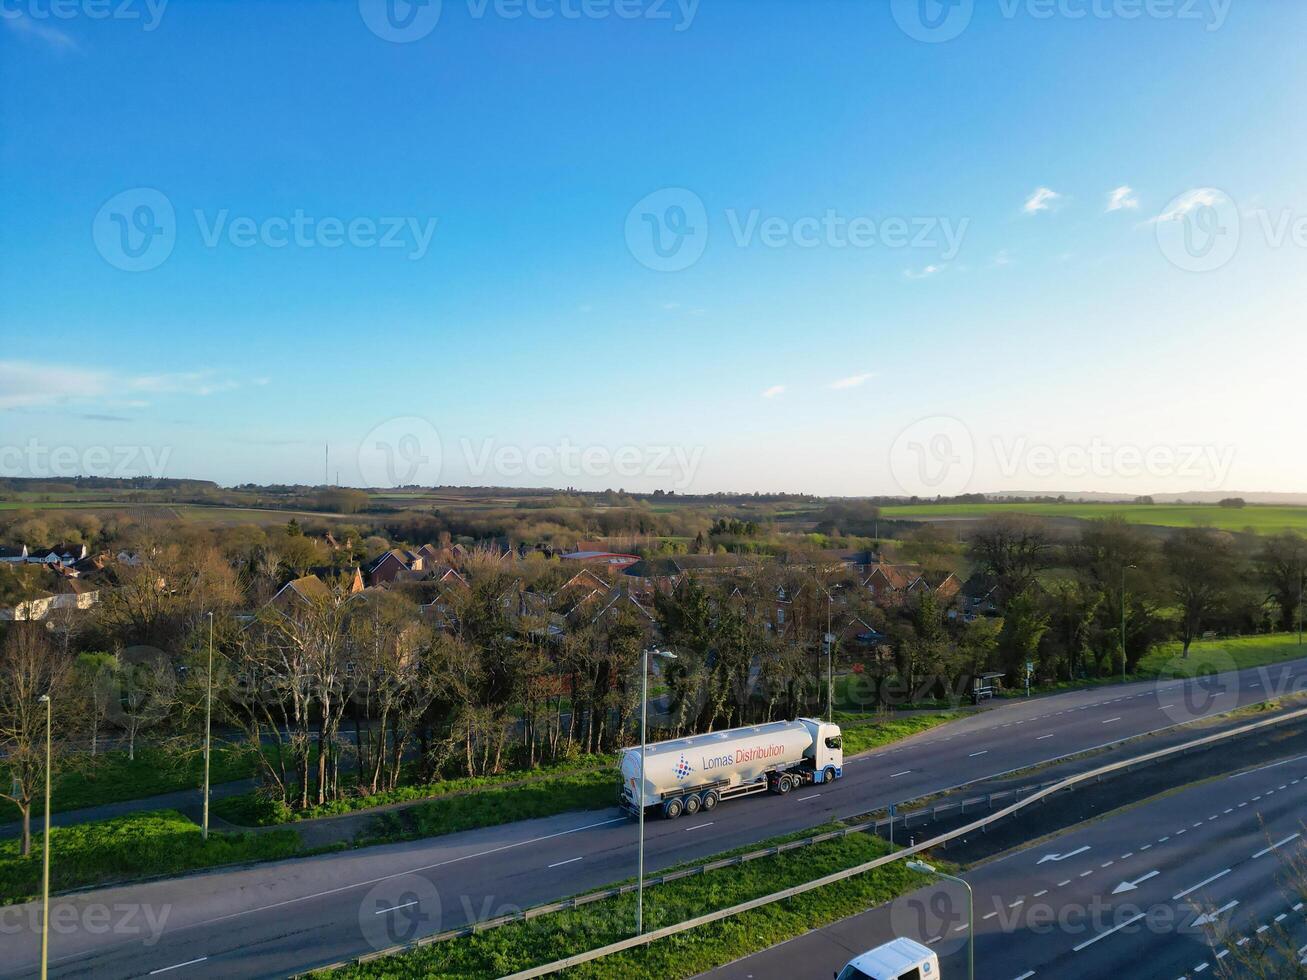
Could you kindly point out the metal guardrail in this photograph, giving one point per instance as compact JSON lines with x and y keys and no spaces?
{"x":830,"y":879}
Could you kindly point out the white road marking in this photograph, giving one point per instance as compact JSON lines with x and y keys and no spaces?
{"x":1110,"y":720}
{"x":1040,"y":738}
{"x":1206,"y":881}
{"x":394,"y":909}
{"x":897,"y":774}
{"x":805,"y":799}
{"x":1267,"y":850}
{"x":1025,"y":976}
{"x":974,"y":754}
{"x":178,"y":966}
{"x":700,"y":826}
{"x":568,"y":861}
{"x":1101,"y":935}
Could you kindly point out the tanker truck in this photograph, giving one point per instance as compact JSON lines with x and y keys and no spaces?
{"x":686,"y":775}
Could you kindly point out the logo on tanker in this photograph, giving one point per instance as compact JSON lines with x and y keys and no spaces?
{"x":683,"y":768}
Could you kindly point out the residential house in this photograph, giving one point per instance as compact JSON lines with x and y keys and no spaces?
{"x":60,"y":554}
{"x":13,"y":555}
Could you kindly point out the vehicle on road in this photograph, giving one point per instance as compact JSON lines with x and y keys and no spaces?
{"x":686,"y":775}
{"x":902,"y":959}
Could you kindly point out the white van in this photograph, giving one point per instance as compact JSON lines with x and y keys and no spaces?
{"x":902,"y":959}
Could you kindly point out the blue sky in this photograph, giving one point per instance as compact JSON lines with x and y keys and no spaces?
{"x":1022,"y":334}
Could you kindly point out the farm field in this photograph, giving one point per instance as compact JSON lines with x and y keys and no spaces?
{"x":1260,"y":519}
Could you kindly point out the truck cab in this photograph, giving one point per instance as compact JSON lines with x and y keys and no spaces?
{"x":827,"y":749}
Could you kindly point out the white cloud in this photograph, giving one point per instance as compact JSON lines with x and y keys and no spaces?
{"x":1043,"y":199}
{"x":1122,"y":197}
{"x":1191,"y":201}
{"x":923,"y":273}
{"x":52,"y":36}
{"x":25,"y":383}
{"x":773,"y":391}
{"x":853,"y":380}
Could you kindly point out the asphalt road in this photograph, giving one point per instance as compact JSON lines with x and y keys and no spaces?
{"x":1120,"y":897}
{"x":276,"y":918}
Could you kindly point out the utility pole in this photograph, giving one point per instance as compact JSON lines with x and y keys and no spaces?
{"x":45,"y":853}
{"x":639,"y":793}
{"x":208,"y":731}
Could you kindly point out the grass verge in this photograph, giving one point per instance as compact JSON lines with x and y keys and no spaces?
{"x":862,"y":736}
{"x":524,"y":944}
{"x":111,"y":777}
{"x":161,"y":842}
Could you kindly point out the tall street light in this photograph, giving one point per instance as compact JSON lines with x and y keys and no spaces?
{"x":924,"y":868}
{"x":45,"y":852}
{"x":1123,"y":568}
{"x":644,"y":749}
{"x":208,"y":731}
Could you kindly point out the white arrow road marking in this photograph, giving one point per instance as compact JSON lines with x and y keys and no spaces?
{"x":1063,"y":857}
{"x":1210,"y":917}
{"x":1129,"y":886}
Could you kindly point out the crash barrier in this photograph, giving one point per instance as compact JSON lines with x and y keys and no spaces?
{"x":1027,"y":794}
{"x":830,"y":879}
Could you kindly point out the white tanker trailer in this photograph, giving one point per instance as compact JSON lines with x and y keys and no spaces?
{"x":685,"y":775}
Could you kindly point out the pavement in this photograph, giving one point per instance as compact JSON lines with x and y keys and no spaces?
{"x":1124,"y":896}
{"x":280,"y":917}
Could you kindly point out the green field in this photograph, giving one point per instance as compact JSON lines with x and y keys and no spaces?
{"x":1257,"y":518}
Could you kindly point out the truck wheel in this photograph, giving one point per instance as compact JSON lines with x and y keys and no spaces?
{"x":691,"y":805}
{"x":672,"y":809}
{"x":828,"y":774}
{"x":710,"y":800}
{"x":783,"y":785}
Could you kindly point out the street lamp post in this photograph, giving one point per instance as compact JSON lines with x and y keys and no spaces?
{"x":924,"y":868}
{"x":1123,"y":568}
{"x":644,"y":748}
{"x":45,"y":852}
{"x":208,"y":731}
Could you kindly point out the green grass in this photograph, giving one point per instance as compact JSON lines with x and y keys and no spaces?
{"x":1236,"y":653}
{"x":161,"y":842}
{"x":248,"y":810}
{"x":490,"y":807}
{"x":861,"y":736}
{"x":1260,"y":518}
{"x":111,"y":777}
{"x":523,"y":944}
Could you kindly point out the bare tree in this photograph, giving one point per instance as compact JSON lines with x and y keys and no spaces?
{"x":30,"y":669}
